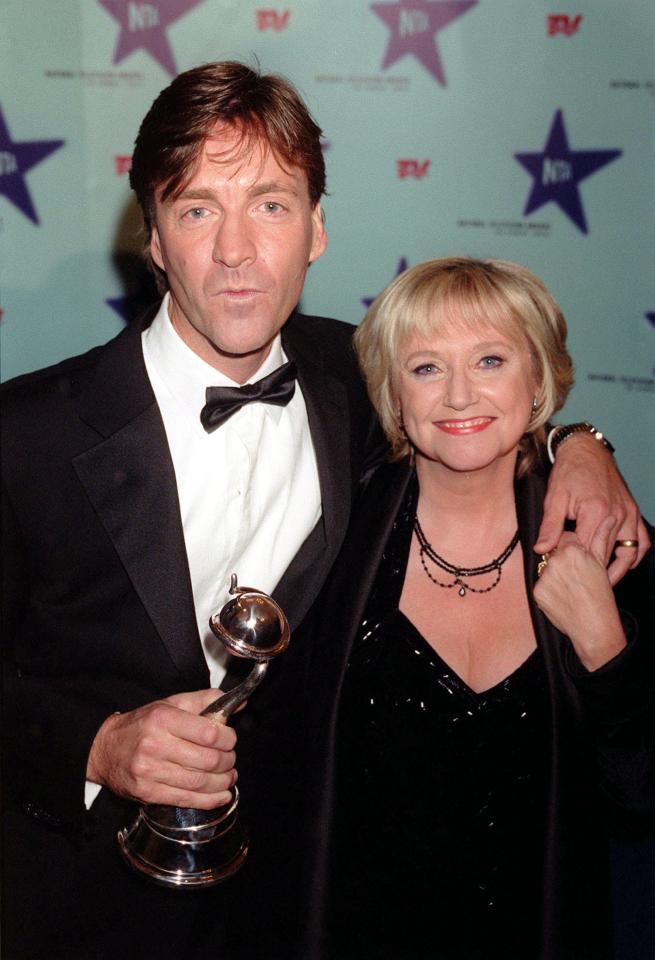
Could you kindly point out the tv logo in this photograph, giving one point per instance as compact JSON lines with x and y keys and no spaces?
{"x":272,"y":20}
{"x":563,"y":23}
{"x":412,"y":168}
{"x":123,"y":164}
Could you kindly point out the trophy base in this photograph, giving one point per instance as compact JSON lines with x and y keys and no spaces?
{"x":208,"y":848}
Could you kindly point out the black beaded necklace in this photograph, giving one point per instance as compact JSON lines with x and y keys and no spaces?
{"x":425,"y":550}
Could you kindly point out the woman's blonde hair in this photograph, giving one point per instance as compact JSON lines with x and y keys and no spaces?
{"x":460,"y":292}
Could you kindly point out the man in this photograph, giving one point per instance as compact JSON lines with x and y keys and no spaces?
{"x":126,"y":511}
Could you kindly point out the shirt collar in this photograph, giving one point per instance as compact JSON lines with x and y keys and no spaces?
{"x":186,"y":375}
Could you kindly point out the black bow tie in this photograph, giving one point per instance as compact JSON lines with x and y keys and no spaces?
{"x":277,"y":388}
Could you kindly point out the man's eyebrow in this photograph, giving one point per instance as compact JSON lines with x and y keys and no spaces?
{"x":272,"y":186}
{"x":195,"y":193}
{"x":257,"y":190}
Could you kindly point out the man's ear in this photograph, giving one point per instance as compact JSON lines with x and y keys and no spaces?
{"x":155,"y":249}
{"x":319,"y":234}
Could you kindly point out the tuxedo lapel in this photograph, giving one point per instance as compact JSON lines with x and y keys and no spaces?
{"x":326,"y":401}
{"x":327,"y":411}
{"x":130,"y":481}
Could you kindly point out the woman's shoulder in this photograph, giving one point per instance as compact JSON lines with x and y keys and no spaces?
{"x":383,"y":477}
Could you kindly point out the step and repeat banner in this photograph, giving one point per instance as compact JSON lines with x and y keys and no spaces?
{"x":520,"y":129}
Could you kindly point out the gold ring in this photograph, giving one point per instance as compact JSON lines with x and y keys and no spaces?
{"x":627,"y":543}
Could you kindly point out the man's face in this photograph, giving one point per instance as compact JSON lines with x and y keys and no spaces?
{"x":235,"y":246}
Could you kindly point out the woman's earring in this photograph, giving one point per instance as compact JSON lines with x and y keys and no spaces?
{"x":534,"y":406}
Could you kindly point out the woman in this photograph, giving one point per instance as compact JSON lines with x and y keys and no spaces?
{"x":473,"y":730}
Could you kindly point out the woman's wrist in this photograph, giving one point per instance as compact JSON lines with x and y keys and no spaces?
{"x":608,"y":642}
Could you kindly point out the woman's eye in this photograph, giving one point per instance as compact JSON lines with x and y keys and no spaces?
{"x":424,"y":369}
{"x":488,"y":363}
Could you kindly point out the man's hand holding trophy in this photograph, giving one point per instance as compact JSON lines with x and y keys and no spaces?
{"x":184,"y":847}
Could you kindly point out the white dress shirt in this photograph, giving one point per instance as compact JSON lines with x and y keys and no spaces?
{"x":249,"y":491}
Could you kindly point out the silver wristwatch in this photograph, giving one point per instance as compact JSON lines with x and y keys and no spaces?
{"x":561,"y":433}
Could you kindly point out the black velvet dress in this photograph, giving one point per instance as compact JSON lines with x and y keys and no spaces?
{"x":441,"y":795}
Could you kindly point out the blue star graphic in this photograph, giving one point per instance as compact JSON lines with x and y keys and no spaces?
{"x":651,"y":317}
{"x":402,"y":266}
{"x":558,"y":170}
{"x":130,"y":307}
{"x":141,"y":292}
{"x":15,"y":160}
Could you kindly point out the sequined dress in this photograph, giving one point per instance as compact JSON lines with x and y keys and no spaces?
{"x":441,"y":795}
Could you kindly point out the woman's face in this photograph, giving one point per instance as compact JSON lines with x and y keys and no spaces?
{"x":465,"y":396}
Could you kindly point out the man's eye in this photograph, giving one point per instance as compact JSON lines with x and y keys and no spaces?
{"x":196,"y":213}
{"x":272,"y":206}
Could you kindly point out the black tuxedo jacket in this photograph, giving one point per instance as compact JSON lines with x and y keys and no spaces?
{"x":99,"y":617}
{"x":602,"y":761}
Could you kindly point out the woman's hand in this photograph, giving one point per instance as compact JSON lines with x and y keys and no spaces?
{"x":575,"y":593}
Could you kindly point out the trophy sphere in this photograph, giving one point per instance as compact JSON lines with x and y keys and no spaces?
{"x":252,"y":625}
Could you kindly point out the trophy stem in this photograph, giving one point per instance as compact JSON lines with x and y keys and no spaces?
{"x":222,"y":709}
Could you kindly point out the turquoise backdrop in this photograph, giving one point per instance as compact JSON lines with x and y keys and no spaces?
{"x":514,"y":128}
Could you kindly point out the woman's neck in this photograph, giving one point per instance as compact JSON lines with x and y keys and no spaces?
{"x":479,"y":501}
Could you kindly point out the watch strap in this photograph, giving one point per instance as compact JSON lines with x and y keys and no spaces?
{"x":559,"y":434}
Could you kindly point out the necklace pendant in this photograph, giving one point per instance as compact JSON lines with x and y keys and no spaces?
{"x":426,"y":550}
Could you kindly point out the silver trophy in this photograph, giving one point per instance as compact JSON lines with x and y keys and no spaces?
{"x":183,"y":847}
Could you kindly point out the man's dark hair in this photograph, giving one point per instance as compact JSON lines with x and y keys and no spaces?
{"x":260,"y":106}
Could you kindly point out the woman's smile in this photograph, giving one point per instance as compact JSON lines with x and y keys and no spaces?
{"x":464,"y":427}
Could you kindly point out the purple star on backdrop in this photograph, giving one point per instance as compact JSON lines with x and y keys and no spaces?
{"x":140,"y":290}
{"x":15,"y":160}
{"x":558,"y":170}
{"x":143,"y":27}
{"x":130,"y":307}
{"x":402,"y":266}
{"x":413,"y":25}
